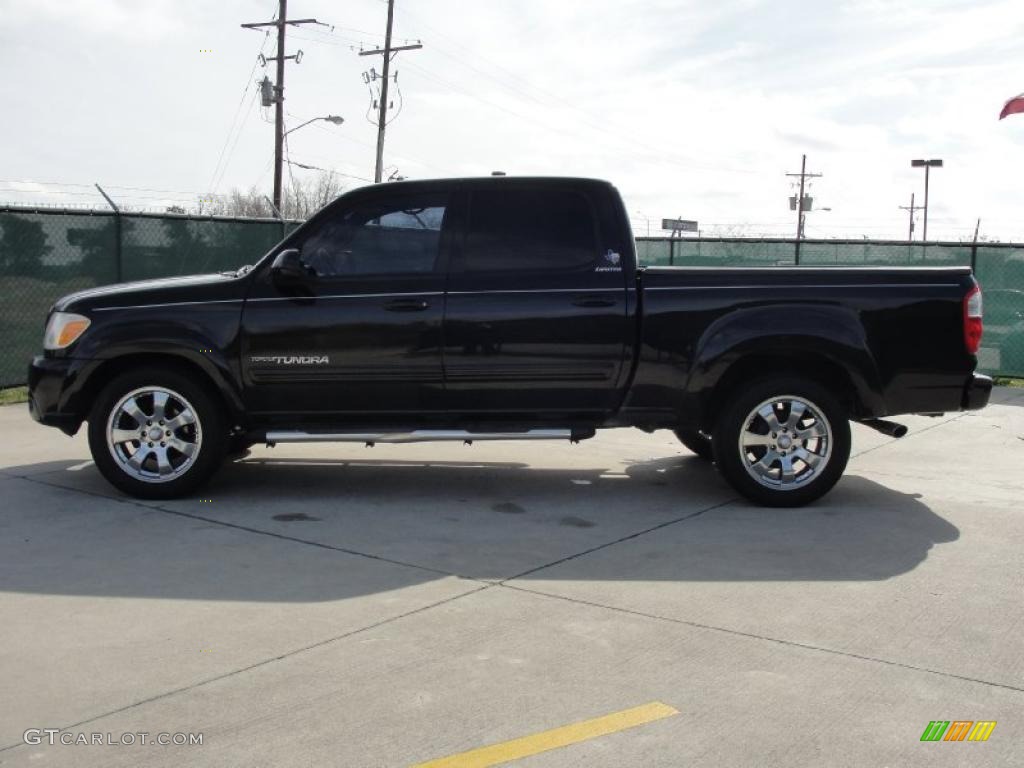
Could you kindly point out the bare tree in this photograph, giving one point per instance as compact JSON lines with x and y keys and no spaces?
{"x":301,"y":200}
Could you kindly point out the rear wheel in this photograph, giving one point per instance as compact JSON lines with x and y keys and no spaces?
{"x":697,"y":442}
{"x":156,"y":434}
{"x":783,"y":441}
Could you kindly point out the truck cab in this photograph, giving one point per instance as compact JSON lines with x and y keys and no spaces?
{"x":422,"y":301}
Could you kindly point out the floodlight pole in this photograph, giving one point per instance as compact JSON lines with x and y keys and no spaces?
{"x":927,"y":165}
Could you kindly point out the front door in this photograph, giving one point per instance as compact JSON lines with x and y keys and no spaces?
{"x":361,"y":338}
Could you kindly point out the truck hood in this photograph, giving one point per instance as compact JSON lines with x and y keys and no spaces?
{"x":189,"y":288}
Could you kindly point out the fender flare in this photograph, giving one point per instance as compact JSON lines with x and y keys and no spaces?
{"x":831,"y":334}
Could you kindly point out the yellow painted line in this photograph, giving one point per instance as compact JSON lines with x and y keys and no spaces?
{"x":495,"y":754}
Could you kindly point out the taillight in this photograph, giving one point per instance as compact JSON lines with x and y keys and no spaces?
{"x":972,"y":319}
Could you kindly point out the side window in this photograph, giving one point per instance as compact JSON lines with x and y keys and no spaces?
{"x":529,"y":230}
{"x":398,"y":236}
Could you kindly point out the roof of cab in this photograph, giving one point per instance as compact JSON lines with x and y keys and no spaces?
{"x":485,"y":181}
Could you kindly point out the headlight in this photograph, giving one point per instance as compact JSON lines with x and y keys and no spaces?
{"x":63,"y":329}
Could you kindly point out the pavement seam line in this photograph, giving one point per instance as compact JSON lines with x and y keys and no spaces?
{"x":765,"y":638}
{"x":265,"y":662}
{"x":619,"y":540}
{"x":921,"y":431}
{"x":247,"y":529}
{"x":379,"y":558}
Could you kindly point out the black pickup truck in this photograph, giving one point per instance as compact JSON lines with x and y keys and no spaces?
{"x":500,"y":309}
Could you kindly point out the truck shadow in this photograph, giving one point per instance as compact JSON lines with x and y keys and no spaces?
{"x":296,"y":530}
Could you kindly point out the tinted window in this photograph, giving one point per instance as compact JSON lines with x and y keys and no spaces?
{"x":529,"y":229}
{"x":396,"y":236}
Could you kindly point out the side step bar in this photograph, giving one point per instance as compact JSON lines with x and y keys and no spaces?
{"x":424,"y":436}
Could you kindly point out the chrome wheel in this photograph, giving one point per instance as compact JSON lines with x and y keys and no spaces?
{"x":153,"y":434}
{"x":785,"y":442}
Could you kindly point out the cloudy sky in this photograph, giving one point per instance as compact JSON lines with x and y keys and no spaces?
{"x":694,"y":109}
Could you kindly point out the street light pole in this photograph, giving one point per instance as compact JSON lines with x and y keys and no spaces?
{"x":927,"y":165}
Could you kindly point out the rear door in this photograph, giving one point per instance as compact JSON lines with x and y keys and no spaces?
{"x":363,"y":337}
{"x":535,"y":321}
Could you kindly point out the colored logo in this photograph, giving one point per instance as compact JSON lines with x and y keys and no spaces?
{"x":958,"y":730}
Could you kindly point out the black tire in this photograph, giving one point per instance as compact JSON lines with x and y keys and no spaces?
{"x":207,"y":432}
{"x":770,"y":490}
{"x":697,"y":442}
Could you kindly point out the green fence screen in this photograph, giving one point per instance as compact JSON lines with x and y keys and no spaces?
{"x":46,"y":253}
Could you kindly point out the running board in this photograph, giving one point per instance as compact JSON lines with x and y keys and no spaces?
{"x":424,"y":436}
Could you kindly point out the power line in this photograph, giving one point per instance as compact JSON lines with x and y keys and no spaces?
{"x":647,"y":152}
{"x":238,"y":136}
{"x":248,"y":83}
{"x":556,"y":100}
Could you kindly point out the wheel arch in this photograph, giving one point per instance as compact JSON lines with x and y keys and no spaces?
{"x":104,"y":371}
{"x":851,"y":391}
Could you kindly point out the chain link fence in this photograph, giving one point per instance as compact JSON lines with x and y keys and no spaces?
{"x":46,"y":253}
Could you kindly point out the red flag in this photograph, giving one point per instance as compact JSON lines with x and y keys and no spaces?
{"x":1013,"y":106}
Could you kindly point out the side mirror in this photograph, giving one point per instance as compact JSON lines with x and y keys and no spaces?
{"x":289,"y":269}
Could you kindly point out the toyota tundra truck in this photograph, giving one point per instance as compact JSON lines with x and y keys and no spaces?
{"x":503,"y":308}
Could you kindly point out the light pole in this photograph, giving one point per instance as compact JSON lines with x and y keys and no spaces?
{"x":329,"y":118}
{"x":927,"y":165}
{"x":646,"y":219}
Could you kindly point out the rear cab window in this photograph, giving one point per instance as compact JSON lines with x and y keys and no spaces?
{"x":529,"y":230}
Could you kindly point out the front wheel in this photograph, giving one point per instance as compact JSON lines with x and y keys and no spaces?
{"x":156,"y":434}
{"x":782,"y":441}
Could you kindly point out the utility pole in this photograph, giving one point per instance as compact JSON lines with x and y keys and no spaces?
{"x":800,"y":204}
{"x":911,"y":208}
{"x":388,"y":51}
{"x":281,"y":22}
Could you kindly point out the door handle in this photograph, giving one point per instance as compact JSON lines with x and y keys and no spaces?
{"x":406,"y":305}
{"x":593,"y":301}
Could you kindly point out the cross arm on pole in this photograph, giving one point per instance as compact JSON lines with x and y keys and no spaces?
{"x":278,"y":23}
{"x":393,"y":49}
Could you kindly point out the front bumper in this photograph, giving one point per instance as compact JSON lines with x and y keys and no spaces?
{"x":976,"y":392}
{"x":48,"y":379}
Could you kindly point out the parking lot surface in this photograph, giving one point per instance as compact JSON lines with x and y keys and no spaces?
{"x":604,"y":604}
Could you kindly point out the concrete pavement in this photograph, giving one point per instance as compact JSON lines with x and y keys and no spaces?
{"x":361,"y":607}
